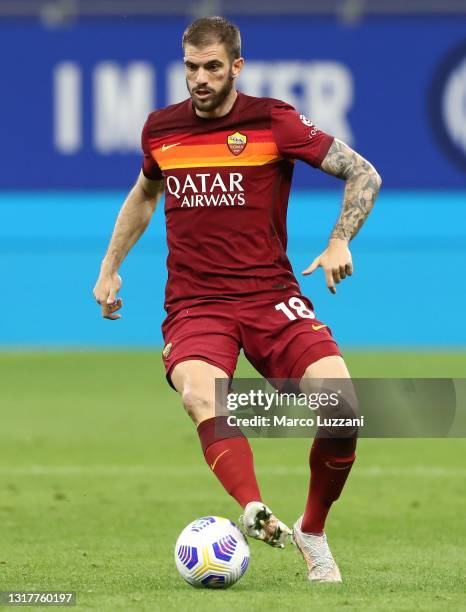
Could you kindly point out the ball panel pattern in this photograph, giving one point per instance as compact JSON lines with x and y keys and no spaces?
{"x":202,"y":523}
{"x":225,"y":548}
{"x":188,"y":556}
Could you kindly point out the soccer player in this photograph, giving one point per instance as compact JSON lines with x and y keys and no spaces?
{"x":225,"y":161}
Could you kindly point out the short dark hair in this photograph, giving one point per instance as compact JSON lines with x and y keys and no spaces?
{"x":208,"y":30}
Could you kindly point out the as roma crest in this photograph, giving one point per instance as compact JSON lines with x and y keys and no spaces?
{"x":237,"y":142}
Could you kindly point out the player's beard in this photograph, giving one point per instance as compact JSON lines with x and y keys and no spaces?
{"x":216,"y":99}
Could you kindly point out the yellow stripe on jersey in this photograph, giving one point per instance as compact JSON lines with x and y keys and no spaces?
{"x":198,"y":156}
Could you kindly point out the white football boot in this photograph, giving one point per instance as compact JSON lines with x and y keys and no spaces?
{"x":258,"y":522}
{"x":316,"y":553}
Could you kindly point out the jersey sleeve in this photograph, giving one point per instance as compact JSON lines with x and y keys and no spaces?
{"x":297,"y":137}
{"x":150,"y":168}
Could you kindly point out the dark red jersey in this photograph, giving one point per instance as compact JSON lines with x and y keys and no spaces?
{"x":227,"y":183}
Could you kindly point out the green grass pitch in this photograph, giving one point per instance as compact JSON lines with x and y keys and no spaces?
{"x":100,"y":470}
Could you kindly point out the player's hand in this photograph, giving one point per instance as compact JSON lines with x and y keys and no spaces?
{"x":105,"y":292}
{"x":335,"y":261}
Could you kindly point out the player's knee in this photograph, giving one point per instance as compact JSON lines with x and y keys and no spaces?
{"x":340,"y":420}
{"x":198,"y":405}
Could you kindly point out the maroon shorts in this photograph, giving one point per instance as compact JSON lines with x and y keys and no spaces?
{"x":280,"y":338}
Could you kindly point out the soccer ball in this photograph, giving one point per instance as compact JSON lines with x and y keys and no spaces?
{"x":211,"y":552}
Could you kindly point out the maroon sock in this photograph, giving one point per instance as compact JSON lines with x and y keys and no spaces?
{"x":330,"y":461}
{"x":231,"y":460}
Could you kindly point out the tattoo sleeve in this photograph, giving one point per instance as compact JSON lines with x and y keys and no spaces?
{"x":362,"y":186}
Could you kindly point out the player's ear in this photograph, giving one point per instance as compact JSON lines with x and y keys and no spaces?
{"x":237,"y":66}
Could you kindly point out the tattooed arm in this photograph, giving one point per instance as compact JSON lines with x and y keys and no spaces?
{"x":362,"y":186}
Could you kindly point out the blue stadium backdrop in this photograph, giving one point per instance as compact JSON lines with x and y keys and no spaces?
{"x":73,"y":103}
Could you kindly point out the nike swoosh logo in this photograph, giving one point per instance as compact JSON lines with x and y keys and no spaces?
{"x":332,"y":467}
{"x":217,"y":458}
{"x":317,"y":327}
{"x":165,"y":147}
